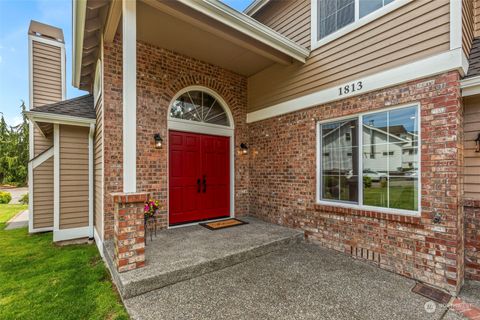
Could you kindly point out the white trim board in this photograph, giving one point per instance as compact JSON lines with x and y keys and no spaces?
{"x":56,"y":179}
{"x":447,"y":61}
{"x":98,"y":241}
{"x":455,"y":24}
{"x":69,"y":234}
{"x":42,"y":158}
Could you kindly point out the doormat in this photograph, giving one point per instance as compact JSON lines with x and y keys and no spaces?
{"x":217,"y":225}
{"x":432,"y":293}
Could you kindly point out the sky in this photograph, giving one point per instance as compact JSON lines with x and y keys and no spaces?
{"x":15,"y":16}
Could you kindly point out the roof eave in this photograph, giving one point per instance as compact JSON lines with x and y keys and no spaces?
{"x":249,"y":26}
{"x":255,"y":6}
{"x":48,"y":117}
{"x":79,"y":8}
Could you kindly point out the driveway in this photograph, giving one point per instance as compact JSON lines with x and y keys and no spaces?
{"x":303,"y":281}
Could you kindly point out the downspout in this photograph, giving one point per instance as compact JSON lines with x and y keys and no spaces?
{"x":90,"y":181}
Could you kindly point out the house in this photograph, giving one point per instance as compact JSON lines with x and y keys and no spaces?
{"x":218,"y":113}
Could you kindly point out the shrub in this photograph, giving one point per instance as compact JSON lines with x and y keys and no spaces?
{"x":5,"y":197}
{"x":367,"y":182}
{"x":24,"y":199}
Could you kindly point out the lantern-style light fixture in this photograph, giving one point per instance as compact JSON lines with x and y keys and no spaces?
{"x":477,"y":143}
{"x":243,"y":148}
{"x":158,"y":141}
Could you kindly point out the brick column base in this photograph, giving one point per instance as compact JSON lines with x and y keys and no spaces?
{"x":129,"y":230}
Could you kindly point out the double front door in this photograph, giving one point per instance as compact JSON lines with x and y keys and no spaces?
{"x":199,"y":177}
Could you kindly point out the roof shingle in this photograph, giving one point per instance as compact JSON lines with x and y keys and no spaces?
{"x":81,"y":107}
{"x":474,"y":59}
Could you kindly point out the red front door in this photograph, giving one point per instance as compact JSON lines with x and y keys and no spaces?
{"x":199,"y":185}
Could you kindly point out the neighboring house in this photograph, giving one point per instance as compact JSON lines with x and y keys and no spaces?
{"x":218,"y":113}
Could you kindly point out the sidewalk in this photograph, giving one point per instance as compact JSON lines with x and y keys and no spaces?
{"x":19,"y":221}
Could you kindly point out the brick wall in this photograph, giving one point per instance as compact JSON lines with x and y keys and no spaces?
{"x":283,"y":184}
{"x":472,"y":239}
{"x":161,"y":74}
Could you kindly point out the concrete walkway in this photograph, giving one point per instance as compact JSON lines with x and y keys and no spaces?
{"x":19,"y":221}
{"x":300,"y":281}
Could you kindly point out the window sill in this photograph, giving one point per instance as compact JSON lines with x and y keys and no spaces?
{"x":369,"y":212}
{"x":353,"y":26}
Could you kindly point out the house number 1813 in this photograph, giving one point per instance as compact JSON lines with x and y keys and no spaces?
{"x":350,"y":88}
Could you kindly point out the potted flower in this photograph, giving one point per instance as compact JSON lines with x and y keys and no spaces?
{"x":150,"y":210}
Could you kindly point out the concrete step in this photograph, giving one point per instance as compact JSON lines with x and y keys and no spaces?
{"x":184,"y":253}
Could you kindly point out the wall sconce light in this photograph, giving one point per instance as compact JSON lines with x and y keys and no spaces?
{"x":243,"y":148}
{"x":158,"y":141}
{"x":477,"y":143}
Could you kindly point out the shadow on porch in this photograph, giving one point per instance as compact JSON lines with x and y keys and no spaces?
{"x":180,"y":254}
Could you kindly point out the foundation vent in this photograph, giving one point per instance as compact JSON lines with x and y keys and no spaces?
{"x":365,"y":254}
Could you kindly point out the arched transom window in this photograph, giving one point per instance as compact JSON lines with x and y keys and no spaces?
{"x":199,"y":106}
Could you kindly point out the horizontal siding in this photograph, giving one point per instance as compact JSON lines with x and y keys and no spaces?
{"x":41,"y":143}
{"x":98,"y":165}
{"x":73,"y":177}
{"x":43,"y":195}
{"x":467,"y":26}
{"x":291,"y":18}
{"x":415,"y":31}
{"x":47,"y":73}
{"x":476,"y":18}
{"x":472,"y":158}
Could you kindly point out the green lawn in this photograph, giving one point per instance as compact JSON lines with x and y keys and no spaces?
{"x":39,"y":280}
{"x":401,"y":197}
{"x":7,"y":211}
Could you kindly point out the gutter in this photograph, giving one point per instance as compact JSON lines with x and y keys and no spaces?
{"x":470,"y":86}
{"x":79,"y":10}
{"x":58,"y":119}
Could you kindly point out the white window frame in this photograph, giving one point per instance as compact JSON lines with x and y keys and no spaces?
{"x":358,"y":22}
{"x":360,"y":205}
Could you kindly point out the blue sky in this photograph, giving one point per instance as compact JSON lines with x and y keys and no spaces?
{"x":15,"y":16}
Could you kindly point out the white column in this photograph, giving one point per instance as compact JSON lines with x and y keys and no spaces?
{"x":129,"y":24}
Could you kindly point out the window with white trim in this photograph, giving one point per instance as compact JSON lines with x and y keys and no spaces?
{"x":333,"y":15}
{"x":371,"y":160}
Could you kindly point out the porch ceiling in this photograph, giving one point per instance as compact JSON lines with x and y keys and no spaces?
{"x":180,"y":28}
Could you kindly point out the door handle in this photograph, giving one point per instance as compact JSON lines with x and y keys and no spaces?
{"x":204,"y":183}
{"x":198,"y":185}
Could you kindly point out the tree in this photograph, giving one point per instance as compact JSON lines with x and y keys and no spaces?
{"x":14,"y":151}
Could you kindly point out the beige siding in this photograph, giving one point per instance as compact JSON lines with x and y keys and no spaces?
{"x":73,"y":177}
{"x":476,"y":17}
{"x":41,"y":143}
{"x":43,"y":195}
{"x":467,"y":26}
{"x":47,"y":73}
{"x":472,"y":158}
{"x":415,"y":31}
{"x":290,"y":18}
{"x":98,"y":164}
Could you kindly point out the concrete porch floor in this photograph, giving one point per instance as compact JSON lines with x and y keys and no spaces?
{"x":180,"y":254}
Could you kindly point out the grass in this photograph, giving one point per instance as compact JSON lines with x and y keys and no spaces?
{"x":8,"y":211}
{"x":401,"y":197}
{"x":39,"y":280}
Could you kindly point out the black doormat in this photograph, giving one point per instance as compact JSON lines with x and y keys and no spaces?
{"x":222,"y":224}
{"x":432,"y":293}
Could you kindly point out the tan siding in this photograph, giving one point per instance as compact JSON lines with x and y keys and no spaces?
{"x":288,"y":17}
{"x":73,"y":177}
{"x":98,"y":165}
{"x":43,"y":195}
{"x":47,"y":73}
{"x":415,"y":31}
{"x":472,"y":158}
{"x":467,"y":26}
{"x":476,"y":18}
{"x":41,"y":143}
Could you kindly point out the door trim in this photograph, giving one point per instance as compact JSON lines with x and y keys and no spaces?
{"x":202,"y":128}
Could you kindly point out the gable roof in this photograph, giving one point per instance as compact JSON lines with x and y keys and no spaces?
{"x":474,"y":59}
{"x":81,"y":107}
